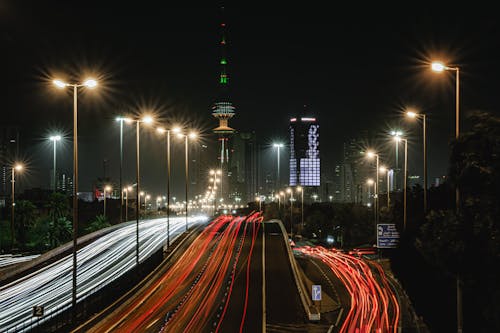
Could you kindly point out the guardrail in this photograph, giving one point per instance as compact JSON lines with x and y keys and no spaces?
{"x":310,"y":309}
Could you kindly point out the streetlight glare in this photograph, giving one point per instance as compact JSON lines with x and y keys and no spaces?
{"x":18,"y":167}
{"x":288,"y":190}
{"x":438,"y":66}
{"x":370,"y":154}
{"x":107,"y":188}
{"x":176,"y":129}
{"x":60,"y":84}
{"x":278,"y":145}
{"x":370,"y":182}
{"x":90,"y":83}
{"x":299,"y":188}
{"x":161,"y":130}
{"x":147,"y":119}
{"x":55,"y":138}
{"x":411,"y":114}
{"x":382,"y":169}
{"x":193,"y":135}
{"x":397,"y":138}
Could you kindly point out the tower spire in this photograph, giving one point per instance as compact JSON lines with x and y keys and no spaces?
{"x":223,"y":109}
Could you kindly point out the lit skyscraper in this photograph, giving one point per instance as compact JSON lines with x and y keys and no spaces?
{"x":304,"y":152}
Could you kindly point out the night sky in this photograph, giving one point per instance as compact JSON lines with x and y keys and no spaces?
{"x":355,"y":68}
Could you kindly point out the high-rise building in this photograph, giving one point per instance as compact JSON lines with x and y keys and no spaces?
{"x":223,"y":110}
{"x":9,"y":151}
{"x":354,"y":172}
{"x":305,"y":167}
{"x":243,"y":167}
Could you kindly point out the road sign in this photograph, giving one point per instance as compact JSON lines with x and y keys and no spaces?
{"x":38,"y":311}
{"x":387,"y":235}
{"x":316,"y":292}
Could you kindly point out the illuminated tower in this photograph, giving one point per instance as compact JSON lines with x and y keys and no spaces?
{"x":223,"y":109}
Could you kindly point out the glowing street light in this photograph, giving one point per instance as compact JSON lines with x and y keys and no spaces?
{"x":54,"y":139}
{"x":289,"y":190}
{"x":107,"y":188}
{"x":122,"y":120}
{"x":258,"y":199}
{"x":414,"y":115}
{"x":371,"y":154}
{"x":383,"y":169}
{"x":278,"y":146}
{"x":167,"y":132}
{"x":127,"y":190}
{"x":147,"y":120}
{"x":16,"y":167}
{"x":89,"y":83}
{"x":191,"y":136}
{"x":405,"y":178}
{"x":301,"y":190}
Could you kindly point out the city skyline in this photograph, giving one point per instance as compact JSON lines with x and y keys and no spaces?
{"x":306,"y":58}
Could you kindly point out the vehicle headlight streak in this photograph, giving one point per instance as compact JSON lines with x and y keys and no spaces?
{"x":99,"y":263}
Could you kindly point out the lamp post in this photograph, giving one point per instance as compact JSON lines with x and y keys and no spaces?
{"x":289,"y":190}
{"x":89,"y":83}
{"x":121,"y":120}
{"x":146,"y":120}
{"x":214,"y":174}
{"x":301,"y":190}
{"x":412,"y":114}
{"x":440,"y":67}
{"x":107,"y":188}
{"x":384,"y":169}
{"x":371,"y":154}
{"x":186,"y":137}
{"x":127,"y":190}
{"x":54,"y":139}
{"x":397,"y":138}
{"x":396,"y":163}
{"x":167,"y":132}
{"x":371,"y":182}
{"x":260,"y":202}
{"x":15,"y":167}
{"x":278,"y":146}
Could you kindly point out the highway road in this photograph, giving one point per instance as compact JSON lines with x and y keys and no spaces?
{"x":99,"y":263}
{"x":234,"y":277}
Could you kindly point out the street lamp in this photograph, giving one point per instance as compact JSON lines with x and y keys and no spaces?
{"x":414,"y":115}
{"x":278,"y":146}
{"x":191,"y":136}
{"x":146,"y":120}
{"x":89,"y":83}
{"x":15,"y":167}
{"x":371,"y":182}
{"x":127,"y":190}
{"x":384,"y":169}
{"x":289,"y":190}
{"x":371,"y":154}
{"x":440,"y":67}
{"x":259,"y":201}
{"x":396,"y":133}
{"x":54,"y":139}
{"x":397,"y":138}
{"x":167,"y":132}
{"x":213,"y":174}
{"x":107,"y":188}
{"x":121,"y":120}
{"x":301,"y":190}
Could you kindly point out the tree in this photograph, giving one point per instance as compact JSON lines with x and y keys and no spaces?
{"x":99,"y":223}
{"x":58,"y":206}
{"x":24,"y":219}
{"x":466,"y":241}
{"x":59,"y":231}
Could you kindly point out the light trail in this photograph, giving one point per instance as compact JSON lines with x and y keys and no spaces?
{"x":373,"y":304}
{"x":99,"y":263}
